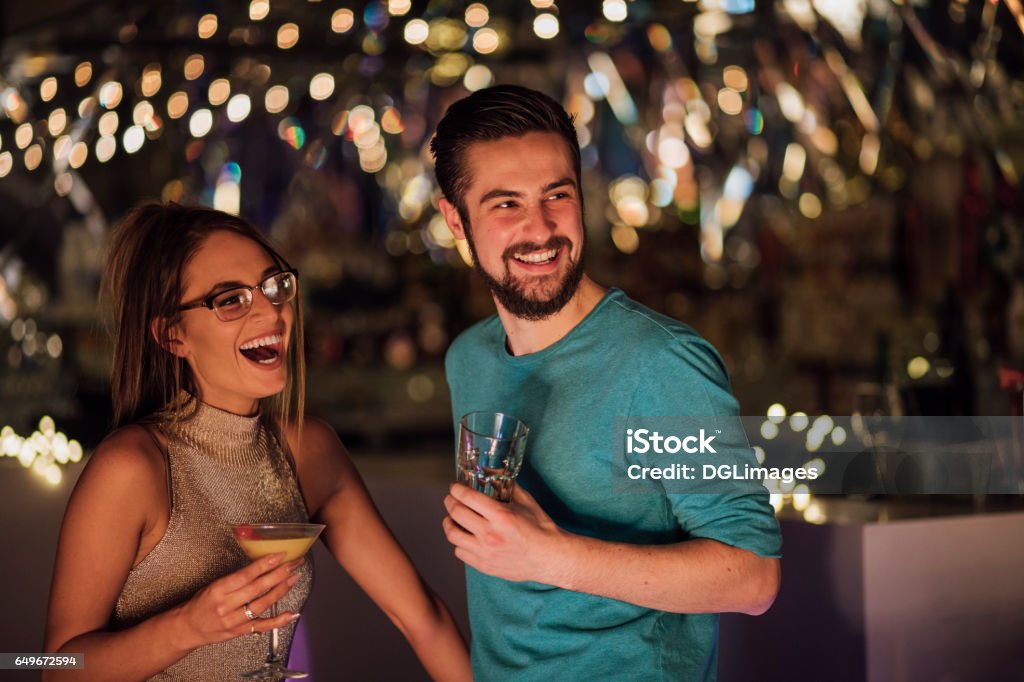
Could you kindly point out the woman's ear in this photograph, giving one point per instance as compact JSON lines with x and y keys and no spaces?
{"x":165,"y":333}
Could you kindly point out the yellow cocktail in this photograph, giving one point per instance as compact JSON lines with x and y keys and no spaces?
{"x":258,"y":540}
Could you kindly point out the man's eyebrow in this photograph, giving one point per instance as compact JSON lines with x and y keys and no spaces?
{"x":559,"y":183}
{"x":495,"y":193}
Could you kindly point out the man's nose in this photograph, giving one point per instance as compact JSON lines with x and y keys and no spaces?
{"x":540,"y":221}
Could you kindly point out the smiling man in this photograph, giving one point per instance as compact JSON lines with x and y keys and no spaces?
{"x":571,"y":577}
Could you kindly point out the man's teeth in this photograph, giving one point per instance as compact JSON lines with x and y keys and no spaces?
{"x":538,"y":257}
{"x":269,"y":340}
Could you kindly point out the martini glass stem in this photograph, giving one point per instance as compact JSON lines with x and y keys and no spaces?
{"x":273,"y":639}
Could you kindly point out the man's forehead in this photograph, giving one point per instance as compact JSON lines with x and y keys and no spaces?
{"x":533,"y":158}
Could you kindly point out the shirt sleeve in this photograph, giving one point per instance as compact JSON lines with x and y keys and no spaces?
{"x":687,"y":378}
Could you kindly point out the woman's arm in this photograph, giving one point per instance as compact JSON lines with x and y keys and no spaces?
{"x":117,"y":512}
{"x":364,"y":546}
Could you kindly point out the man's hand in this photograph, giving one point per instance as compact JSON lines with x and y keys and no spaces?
{"x":515,"y":540}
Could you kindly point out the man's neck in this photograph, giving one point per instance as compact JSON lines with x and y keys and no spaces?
{"x":531,"y":336}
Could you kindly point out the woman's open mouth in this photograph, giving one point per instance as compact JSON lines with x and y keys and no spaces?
{"x":265,"y":350}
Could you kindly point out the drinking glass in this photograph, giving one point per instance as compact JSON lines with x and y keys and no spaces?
{"x":490,"y":452}
{"x":258,"y":540}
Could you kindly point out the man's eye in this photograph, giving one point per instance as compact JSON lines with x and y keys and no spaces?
{"x":506,"y":204}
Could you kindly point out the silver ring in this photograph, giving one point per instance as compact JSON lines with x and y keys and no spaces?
{"x":248,"y":612}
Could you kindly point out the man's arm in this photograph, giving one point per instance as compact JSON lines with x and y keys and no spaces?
{"x":518,"y":541}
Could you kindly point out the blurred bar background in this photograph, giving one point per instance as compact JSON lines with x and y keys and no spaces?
{"x":828,"y":190}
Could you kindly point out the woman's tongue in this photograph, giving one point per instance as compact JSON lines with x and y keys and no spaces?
{"x":260,"y":354}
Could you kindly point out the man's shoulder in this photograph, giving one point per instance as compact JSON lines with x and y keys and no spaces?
{"x":646,"y":326}
{"x":661,"y":342}
{"x":483,"y":335}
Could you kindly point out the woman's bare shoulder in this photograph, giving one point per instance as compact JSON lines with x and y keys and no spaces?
{"x":317,"y":438}
{"x":131,"y":455}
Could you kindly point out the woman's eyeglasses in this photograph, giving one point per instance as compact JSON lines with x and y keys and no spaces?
{"x":234,"y":304}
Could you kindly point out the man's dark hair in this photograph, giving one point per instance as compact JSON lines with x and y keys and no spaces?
{"x":491,"y":114}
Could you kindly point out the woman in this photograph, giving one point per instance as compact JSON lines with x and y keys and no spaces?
{"x":208,"y":384}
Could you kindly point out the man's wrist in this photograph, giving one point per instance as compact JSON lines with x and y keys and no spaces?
{"x":562,"y":569}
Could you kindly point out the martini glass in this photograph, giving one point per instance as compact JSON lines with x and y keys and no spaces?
{"x":258,"y":540}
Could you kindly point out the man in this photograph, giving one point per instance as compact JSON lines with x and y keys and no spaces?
{"x":570,"y":578}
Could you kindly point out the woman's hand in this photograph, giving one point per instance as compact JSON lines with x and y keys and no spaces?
{"x":218,"y":611}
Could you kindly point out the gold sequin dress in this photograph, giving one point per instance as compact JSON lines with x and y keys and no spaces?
{"x":223,"y":468}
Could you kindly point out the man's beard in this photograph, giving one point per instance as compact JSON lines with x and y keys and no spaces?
{"x":510,"y":292}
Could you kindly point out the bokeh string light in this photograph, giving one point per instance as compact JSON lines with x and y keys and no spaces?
{"x":708,"y":113}
{"x":44,"y":452}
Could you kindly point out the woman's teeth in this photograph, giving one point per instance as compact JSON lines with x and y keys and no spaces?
{"x":262,"y":350}
{"x":268,"y":340}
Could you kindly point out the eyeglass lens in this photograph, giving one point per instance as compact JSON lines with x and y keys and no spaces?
{"x":278,"y":289}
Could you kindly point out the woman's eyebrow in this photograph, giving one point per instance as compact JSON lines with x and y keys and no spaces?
{"x":235,"y":284}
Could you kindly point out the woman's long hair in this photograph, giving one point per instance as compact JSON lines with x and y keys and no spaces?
{"x":143,"y":284}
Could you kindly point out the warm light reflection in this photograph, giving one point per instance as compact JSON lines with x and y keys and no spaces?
{"x":133,"y":138}
{"x":151,"y":80}
{"x":239,"y":107}
{"x":259,"y":9}
{"x":33,"y":157}
{"x":207,"y":26}
{"x":399,"y":8}
{"x":48,"y":89}
{"x":614,"y":10}
{"x":108,"y":123}
{"x":110,"y":95}
{"x":177,"y":105}
{"x":194,"y":66}
{"x":219,"y":92}
{"x":545,"y":26}
{"x":200,"y":123}
{"x":56,"y":122}
{"x":416,"y":32}
{"x":83,"y":74}
{"x":287,"y":36}
{"x":478,"y":77}
{"x":477,"y":15}
{"x":276,"y":99}
{"x":485,"y":41}
{"x":342,"y":21}
{"x":321,"y":86}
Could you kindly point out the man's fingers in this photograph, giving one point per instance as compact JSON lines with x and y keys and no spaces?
{"x":465,"y":517}
{"x":455,"y":533}
{"x":467,"y":557}
{"x":475,"y":500}
{"x":520,"y":496}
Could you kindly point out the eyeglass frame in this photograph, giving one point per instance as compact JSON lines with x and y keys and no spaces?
{"x":207,"y":301}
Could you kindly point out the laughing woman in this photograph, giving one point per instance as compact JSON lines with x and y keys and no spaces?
{"x":208,"y":392}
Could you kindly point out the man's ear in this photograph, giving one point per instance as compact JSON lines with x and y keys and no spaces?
{"x":166,"y":336}
{"x":452,"y":217}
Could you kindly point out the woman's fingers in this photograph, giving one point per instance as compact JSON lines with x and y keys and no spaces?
{"x":260,"y":604}
{"x":261,"y":585}
{"x":264,"y":624}
{"x":244,"y":576}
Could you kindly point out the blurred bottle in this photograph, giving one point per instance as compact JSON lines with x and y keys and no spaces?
{"x":1015,"y":324}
